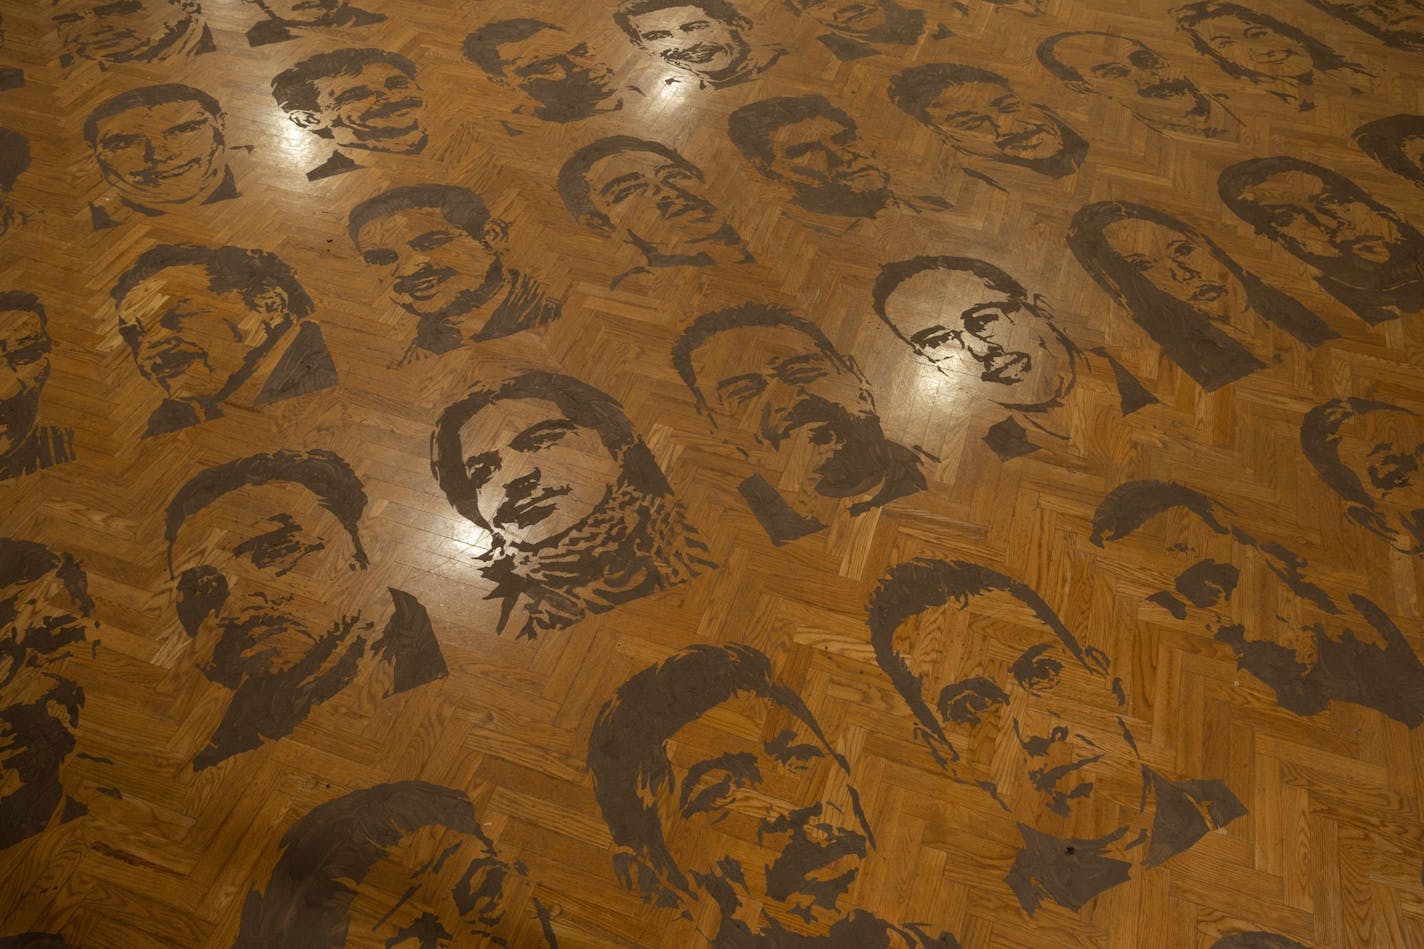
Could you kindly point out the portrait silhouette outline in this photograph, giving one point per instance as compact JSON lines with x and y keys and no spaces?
{"x":1397,"y":143}
{"x":855,"y":31}
{"x":119,"y":33}
{"x":563,"y":80}
{"x":284,"y":20}
{"x":14,"y":162}
{"x":708,"y":42}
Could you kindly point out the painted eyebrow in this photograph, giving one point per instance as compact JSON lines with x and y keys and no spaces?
{"x":548,"y":425}
{"x":733,"y":762}
{"x":733,"y":380}
{"x":1006,"y":97}
{"x":620,"y":181}
{"x":929,"y":331}
{"x":798,"y":360}
{"x":436,"y":232}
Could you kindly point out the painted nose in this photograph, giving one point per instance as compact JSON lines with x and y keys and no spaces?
{"x":776,"y":409}
{"x":11,"y":385}
{"x":1183,"y":271}
{"x":1038,"y":746}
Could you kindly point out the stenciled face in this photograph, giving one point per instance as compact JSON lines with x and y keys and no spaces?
{"x":24,"y":368}
{"x":690,"y":38}
{"x":267,"y":585}
{"x":303,"y":12}
{"x":1255,"y":47}
{"x":380,"y":108}
{"x":762,"y":816}
{"x":41,"y":624}
{"x":555,"y":71}
{"x":533,"y":472}
{"x":1031,"y":721}
{"x":1385,"y":451}
{"x":852,"y":17}
{"x":1322,"y":220}
{"x":170,"y":153}
{"x":657,"y":203}
{"x":439,"y":888}
{"x":117,"y":30}
{"x":190,"y":340}
{"x":1388,"y":16}
{"x":1133,"y":74}
{"x":962,"y":323}
{"x":990,"y":120}
{"x":822,"y":154}
{"x":433,"y":268}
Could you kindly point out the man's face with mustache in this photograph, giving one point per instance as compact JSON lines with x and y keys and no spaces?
{"x":989,"y":120}
{"x":304,"y":12}
{"x":823,"y":155}
{"x":1384,"y":448}
{"x":796,"y":401}
{"x":433,"y":268}
{"x":654,"y":203}
{"x":962,"y":323}
{"x":190,"y":340}
{"x":24,"y":368}
{"x":380,"y":108}
{"x":534,"y":473}
{"x":851,"y":17}
{"x":1324,"y":222}
{"x":264,"y":575}
{"x":998,"y":679}
{"x":1133,"y":74}
{"x":556,"y":72}
{"x":171,"y":153}
{"x":116,"y":30}
{"x":690,"y":38}
{"x":762,"y":816}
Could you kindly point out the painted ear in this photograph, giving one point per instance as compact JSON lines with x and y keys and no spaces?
{"x":311,"y":121}
{"x":496,"y":234}
{"x":1078,"y":85}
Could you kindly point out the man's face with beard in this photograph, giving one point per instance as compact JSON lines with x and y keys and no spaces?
{"x":655,"y":203}
{"x":762,"y":816}
{"x":557,"y":73}
{"x":1326,"y":223}
{"x":24,"y":368}
{"x":962,"y":323}
{"x":1384,"y":449}
{"x":440,"y":887}
{"x":191,"y":340}
{"x":303,"y":12}
{"x":989,"y":120}
{"x":798,"y":402}
{"x":858,"y":18}
{"x":435,"y":269}
{"x":1135,"y":75}
{"x":170,"y":153}
{"x":265,"y":576}
{"x":118,"y":30}
{"x":380,"y":108}
{"x":690,"y":38}
{"x":825,"y":157}
{"x":534,"y":473}
{"x":998,"y":680}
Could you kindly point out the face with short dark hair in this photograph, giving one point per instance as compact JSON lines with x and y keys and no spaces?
{"x":654,"y":202}
{"x":690,"y":38}
{"x":533,"y":473}
{"x":852,"y":17}
{"x":1254,"y":46}
{"x":191,"y":340}
{"x":24,"y":369}
{"x":988,"y":119}
{"x":1324,"y":222}
{"x":169,"y":153}
{"x":824,"y":156}
{"x":556,"y":71}
{"x":432,"y":267}
{"x":762,"y":816}
{"x":1133,"y":74}
{"x":380,"y":108}
{"x":118,"y":30}
{"x":1387,"y":16}
{"x":267,"y":584}
{"x":962,"y":323}
{"x":304,"y":12}
{"x":1384,"y":449}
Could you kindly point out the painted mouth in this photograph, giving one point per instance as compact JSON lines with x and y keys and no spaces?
{"x":168,"y":361}
{"x":682,"y":209}
{"x":1023,"y":141}
{"x":861,"y":177}
{"x":1208,"y":293}
{"x":698,"y":55}
{"x":1275,"y":57}
{"x":1006,"y":368}
{"x":528,"y":511}
{"x":423,"y":286}
{"x":1169,"y":89}
{"x":401,"y":109}
{"x":150,"y":177}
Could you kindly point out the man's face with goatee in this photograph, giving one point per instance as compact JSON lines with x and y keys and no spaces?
{"x":1135,"y":75}
{"x":785,"y":801}
{"x":268,"y":586}
{"x":559,"y":74}
{"x":797,"y":401}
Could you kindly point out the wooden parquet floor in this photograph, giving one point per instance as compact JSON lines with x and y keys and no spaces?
{"x":671,"y":473}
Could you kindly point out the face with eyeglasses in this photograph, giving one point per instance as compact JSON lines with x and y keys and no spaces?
{"x":24,"y":369}
{"x":964,"y":323}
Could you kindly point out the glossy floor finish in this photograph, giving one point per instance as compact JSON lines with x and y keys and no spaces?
{"x":722,"y":472}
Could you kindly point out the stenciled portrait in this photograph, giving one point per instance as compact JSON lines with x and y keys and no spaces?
{"x":206,"y":326}
{"x":270,"y":587}
{"x":859,"y":28}
{"x":1005,"y":698}
{"x":14,"y":162}
{"x":1282,"y":60}
{"x":981,"y":327}
{"x":1396,"y":142}
{"x":284,"y":20}
{"x":1371,"y":453}
{"x":114,"y":32}
{"x":648,"y":196}
{"x":581,"y":518}
{"x":1311,"y":652}
{"x":26,"y":446}
{"x":776,"y":388}
{"x":159,"y":148}
{"x":1209,"y":313}
{"x":977,"y":112}
{"x":1366,"y":255}
{"x":760,"y":824}
{"x":11,"y":77}
{"x":1141,"y":80}
{"x":402,"y":864}
{"x":45,"y":609}
{"x":1395,"y":23}
{"x":362,"y":99}
{"x":710,"y":40}
{"x":559,"y":76}
{"x":441,"y":255}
